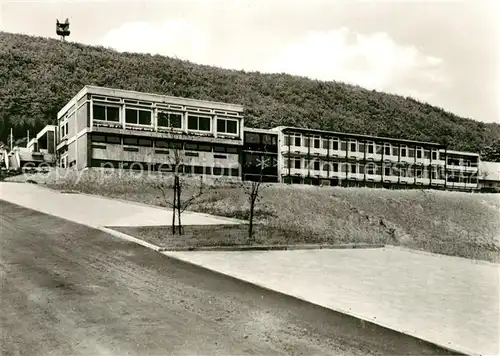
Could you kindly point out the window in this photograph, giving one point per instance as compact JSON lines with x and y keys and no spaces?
{"x":361,"y":169}
{"x":296,"y":163}
{"x":297,"y":141}
{"x":147,"y":142}
{"x":114,"y":139}
{"x":232,"y":150}
{"x":316,"y":165}
{"x":138,"y":117}
{"x":378,"y":149}
{"x":387,"y":150}
{"x":353,"y":168}
{"x":307,"y":142}
{"x":335,"y":145}
{"x":353,"y":147}
{"x":403,"y":152}
{"x":269,"y":140}
{"x":419,"y":152}
{"x":98,"y":138}
{"x":362,"y":147}
{"x":317,"y":142}
{"x":227,"y":126}
{"x":434,"y":155}
{"x":387,"y":171}
{"x":411,"y":153}
{"x":326,"y":144}
{"x":370,"y":147}
{"x":198,"y":123}
{"x":198,"y":169}
{"x":395,"y":151}
{"x":287,"y":140}
{"x":130,"y":141}
{"x":191,"y":146}
{"x":370,"y":169}
{"x":234,"y":172}
{"x":427,"y":154}
{"x":419,"y":172}
{"x":343,"y":146}
{"x":168,"y":119}
{"x":106,"y":113}
{"x":161,"y":143}
{"x":335,"y":167}
{"x":326,"y":166}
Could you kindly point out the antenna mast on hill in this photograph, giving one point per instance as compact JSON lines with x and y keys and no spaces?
{"x":62,"y":29}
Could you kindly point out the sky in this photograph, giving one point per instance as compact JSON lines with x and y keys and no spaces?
{"x":444,"y":52}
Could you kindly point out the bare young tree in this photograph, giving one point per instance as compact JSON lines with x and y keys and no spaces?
{"x":177,"y":202}
{"x":253,"y":189}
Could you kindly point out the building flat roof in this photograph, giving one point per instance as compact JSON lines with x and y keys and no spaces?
{"x":351,"y":135}
{"x":143,"y":96}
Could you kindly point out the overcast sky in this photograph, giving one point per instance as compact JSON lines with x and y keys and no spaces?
{"x":442,"y":52}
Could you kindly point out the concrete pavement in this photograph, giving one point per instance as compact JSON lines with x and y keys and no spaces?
{"x":97,"y":211}
{"x":450,"y":301}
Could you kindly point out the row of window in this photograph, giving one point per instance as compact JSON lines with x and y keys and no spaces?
{"x":368,"y":147}
{"x":369,"y":168}
{"x":164,"y":144}
{"x":185,"y":169}
{"x":164,"y":119}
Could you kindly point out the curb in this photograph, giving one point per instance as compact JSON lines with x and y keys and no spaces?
{"x":272,"y":247}
{"x":338,"y":310}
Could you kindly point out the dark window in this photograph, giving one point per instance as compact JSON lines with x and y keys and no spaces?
{"x":205,"y":148}
{"x":370,"y":148}
{"x":387,"y":171}
{"x":217,"y":171}
{"x":325,"y":144}
{"x":343,"y":146}
{"x":317,"y":143}
{"x":176,"y":145}
{"x":297,"y":141}
{"x":335,"y":145}
{"x":231,"y":149}
{"x":145,"y":142}
{"x":235,"y":172}
{"x":316,"y":165}
{"x":98,"y":138}
{"x":221,"y":149}
{"x":191,"y":146}
{"x":411,"y":153}
{"x":434,"y":155}
{"x":198,"y":123}
{"x":188,"y":169}
{"x":353,"y":168}
{"x":252,"y":137}
{"x":208,"y":170}
{"x":106,"y":113}
{"x":353,"y":147}
{"x":227,"y":126}
{"x":362,"y":147}
{"x":403,"y":152}
{"x":198,"y":170}
{"x":419,"y":153}
{"x":137,"y":117}
{"x":395,"y":151}
{"x":307,"y":142}
{"x":387,"y":150}
{"x":427,"y":154}
{"x":270,"y":140}
{"x":379,"y":149}
{"x":335,"y":167}
{"x":162,"y":143}
{"x":361,"y":169}
{"x":220,"y":156}
{"x":114,"y":139}
{"x":297,"y":163}
{"x":130,"y":141}
{"x":167,"y":119}
{"x":287,"y":140}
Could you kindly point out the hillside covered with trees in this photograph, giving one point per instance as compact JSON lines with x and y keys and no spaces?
{"x":39,"y":75}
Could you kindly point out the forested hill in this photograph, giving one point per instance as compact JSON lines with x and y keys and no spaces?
{"x":39,"y":75}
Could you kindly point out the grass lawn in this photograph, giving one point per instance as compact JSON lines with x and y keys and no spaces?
{"x":452,"y":223}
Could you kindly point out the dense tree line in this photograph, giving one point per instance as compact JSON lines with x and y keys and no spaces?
{"x":39,"y":75}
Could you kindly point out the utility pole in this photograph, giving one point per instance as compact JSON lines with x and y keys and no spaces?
{"x":11,"y":138}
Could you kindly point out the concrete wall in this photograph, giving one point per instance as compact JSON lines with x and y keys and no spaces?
{"x":82,"y":116}
{"x":81,"y":154}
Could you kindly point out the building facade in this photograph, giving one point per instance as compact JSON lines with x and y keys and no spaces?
{"x":103,"y":127}
{"x":489,"y":177}
{"x":340,"y":159}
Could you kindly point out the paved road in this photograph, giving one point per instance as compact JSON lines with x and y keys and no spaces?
{"x":67,"y":289}
{"x":97,"y":211}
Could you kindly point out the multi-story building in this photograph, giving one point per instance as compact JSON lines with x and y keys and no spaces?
{"x":103,"y":127}
{"x":334,"y":158}
{"x":489,"y":176}
{"x":40,"y":151}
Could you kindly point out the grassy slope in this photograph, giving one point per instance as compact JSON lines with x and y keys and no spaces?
{"x":459,"y":224}
{"x":39,"y":75}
